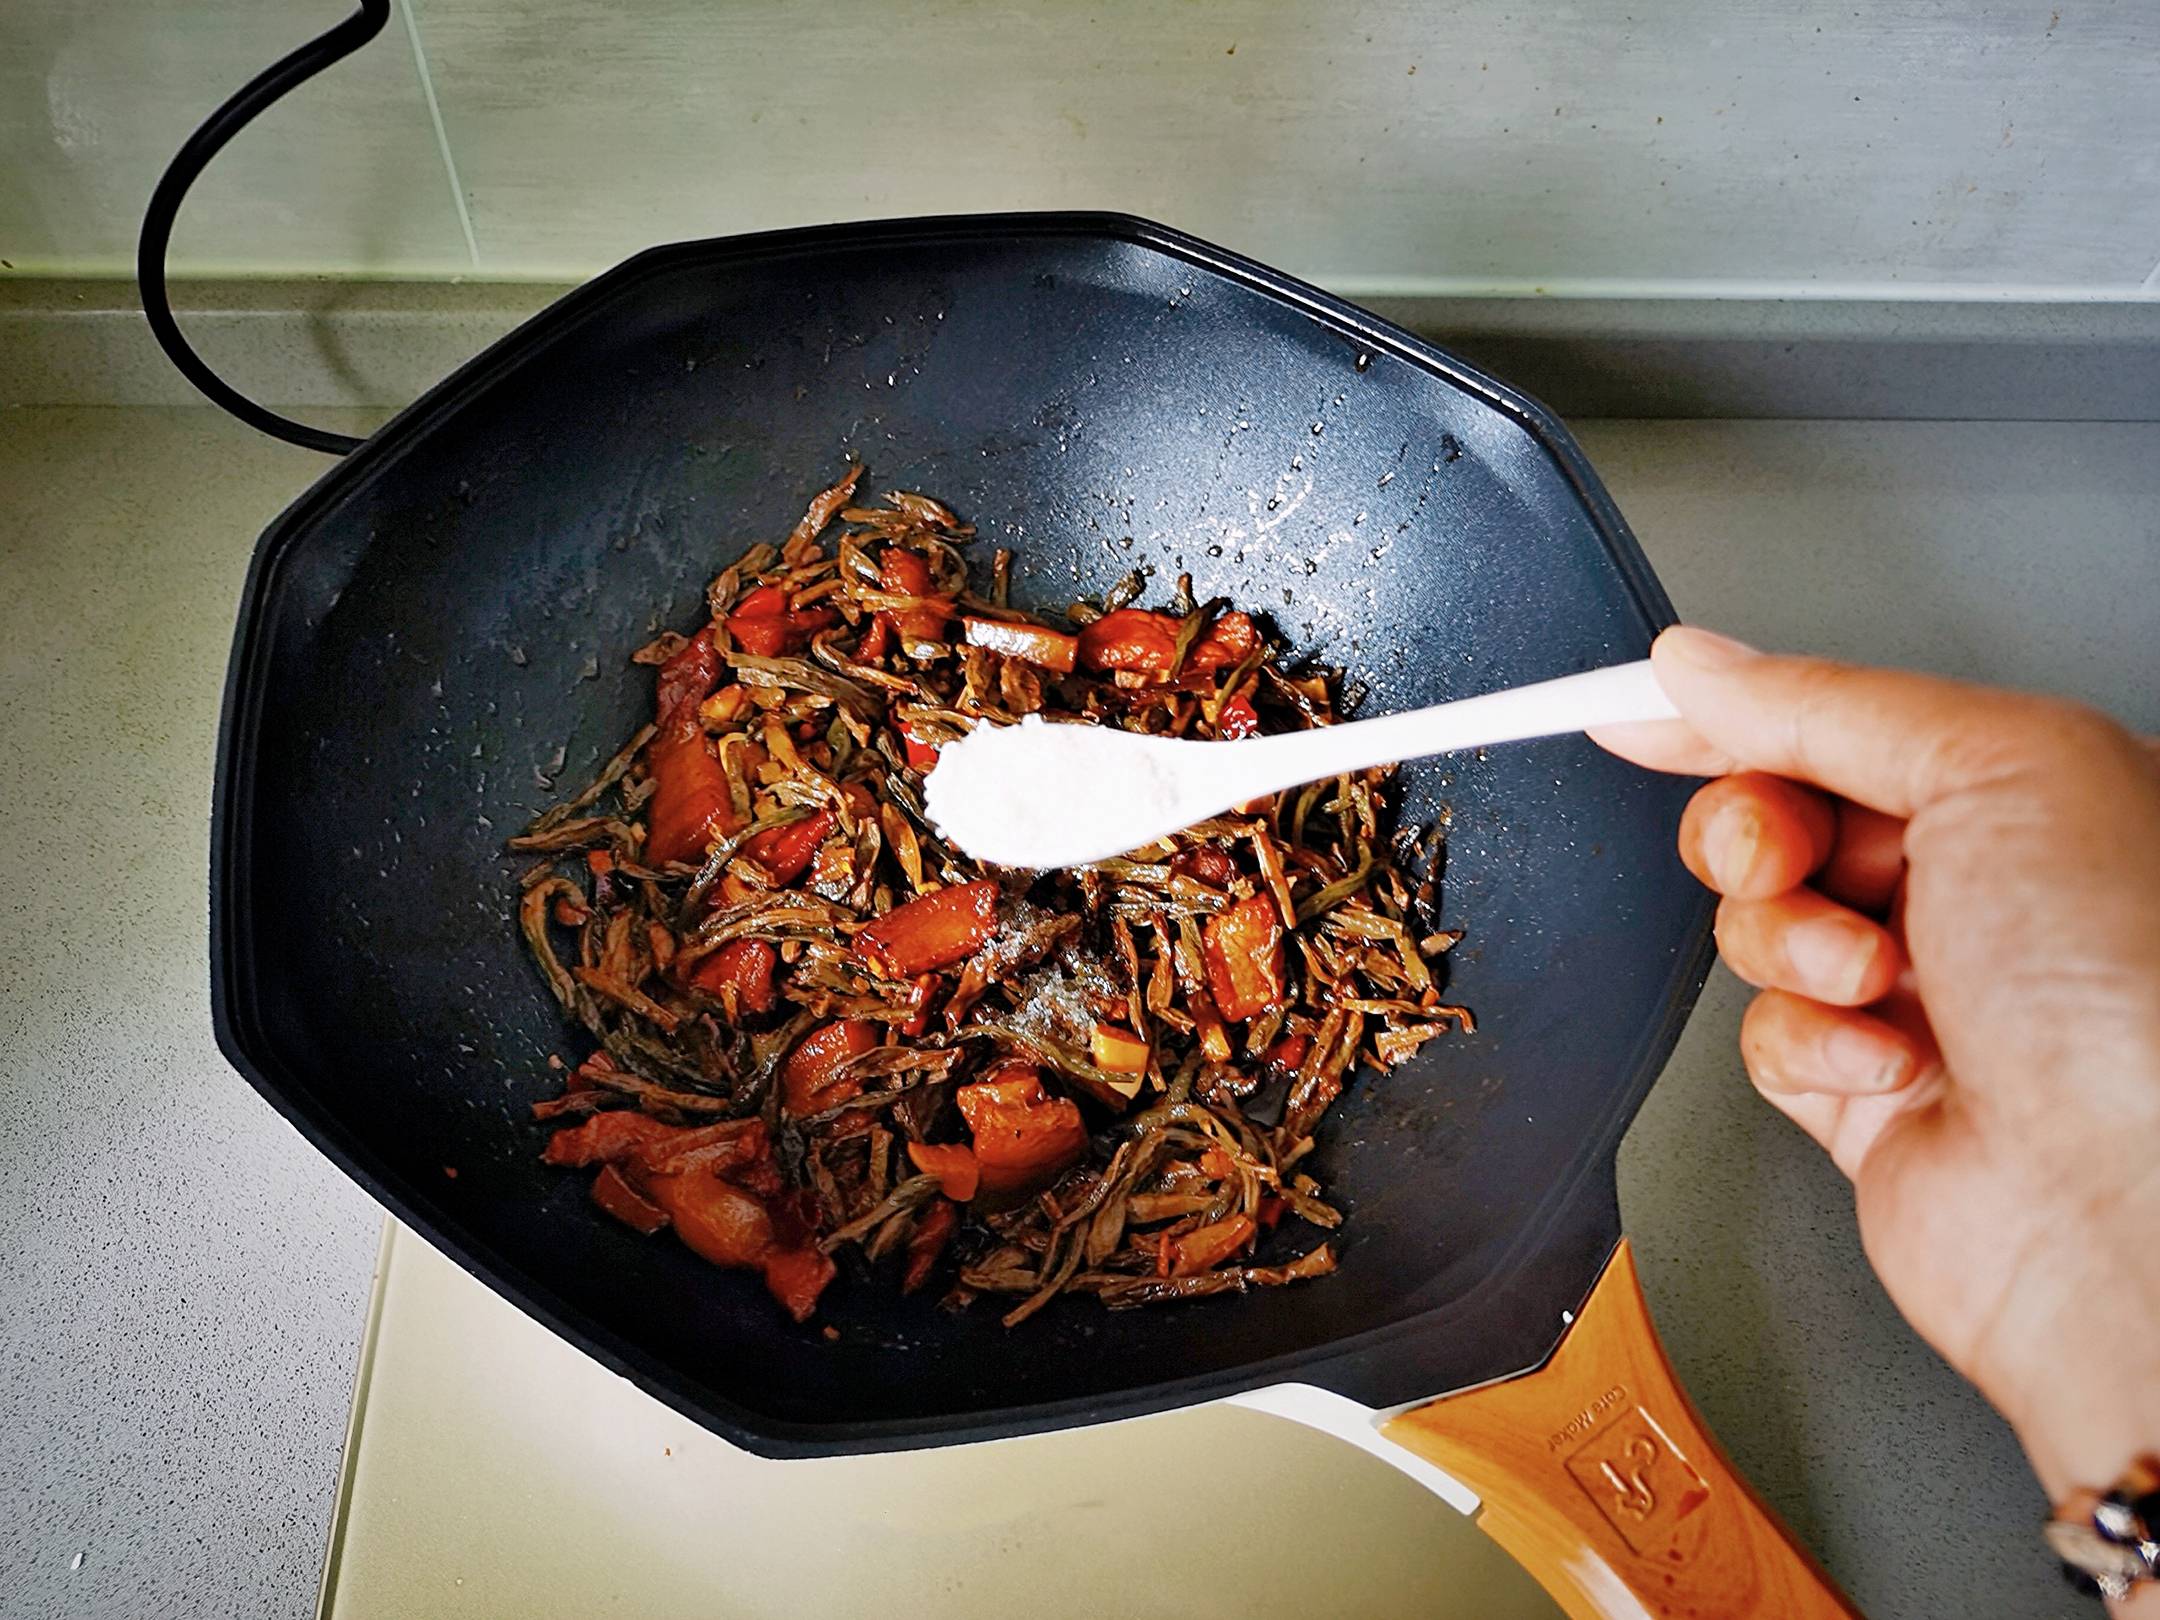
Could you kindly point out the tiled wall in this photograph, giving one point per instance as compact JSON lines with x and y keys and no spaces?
{"x":1682,"y":145}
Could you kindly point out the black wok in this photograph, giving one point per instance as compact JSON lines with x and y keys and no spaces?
{"x":442,"y":621}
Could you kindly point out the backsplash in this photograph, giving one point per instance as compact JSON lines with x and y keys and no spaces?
{"x":1741,"y":146}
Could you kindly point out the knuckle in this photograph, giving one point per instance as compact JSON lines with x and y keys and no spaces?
{"x":2027,"y":734}
{"x":2077,"y":731}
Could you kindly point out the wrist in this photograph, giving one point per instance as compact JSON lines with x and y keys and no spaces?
{"x":2073,"y":1363}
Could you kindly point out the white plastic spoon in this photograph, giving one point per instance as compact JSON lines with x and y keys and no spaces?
{"x":1042,"y":795}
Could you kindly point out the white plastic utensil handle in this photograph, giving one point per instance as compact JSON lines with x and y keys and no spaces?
{"x":1618,"y":695}
{"x":1359,"y":1424}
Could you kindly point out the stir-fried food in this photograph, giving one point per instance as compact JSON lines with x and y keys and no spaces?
{"x":821,"y":1031}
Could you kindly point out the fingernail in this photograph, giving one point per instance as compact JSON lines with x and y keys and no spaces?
{"x":1833,"y":955}
{"x":1868,"y":1058}
{"x":1705,"y":649}
{"x":1734,"y":840}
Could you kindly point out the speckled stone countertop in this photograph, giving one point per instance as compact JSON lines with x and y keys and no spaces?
{"x":183,"y":1280}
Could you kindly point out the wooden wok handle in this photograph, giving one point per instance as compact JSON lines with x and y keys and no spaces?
{"x":1599,"y":1477}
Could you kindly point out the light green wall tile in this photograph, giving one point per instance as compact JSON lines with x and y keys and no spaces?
{"x":97,"y":95}
{"x":1389,"y":143}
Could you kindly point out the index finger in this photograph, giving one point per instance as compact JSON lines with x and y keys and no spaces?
{"x":1887,"y":739}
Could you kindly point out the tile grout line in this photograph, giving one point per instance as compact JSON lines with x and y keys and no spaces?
{"x":442,"y":135}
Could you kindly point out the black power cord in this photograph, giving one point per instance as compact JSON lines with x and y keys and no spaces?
{"x":221,"y":126}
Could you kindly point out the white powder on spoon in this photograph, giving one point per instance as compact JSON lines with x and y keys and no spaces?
{"x":1041,"y":795}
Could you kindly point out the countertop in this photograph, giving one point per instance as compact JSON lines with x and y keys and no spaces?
{"x":183,"y":1281}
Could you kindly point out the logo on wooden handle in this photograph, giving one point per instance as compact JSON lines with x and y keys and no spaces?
{"x":1631,"y":1492}
{"x":1640,"y":1481}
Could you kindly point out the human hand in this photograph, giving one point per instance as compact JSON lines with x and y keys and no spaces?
{"x":1949,"y":897}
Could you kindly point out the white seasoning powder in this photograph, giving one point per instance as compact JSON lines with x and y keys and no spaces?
{"x":1039,"y":795}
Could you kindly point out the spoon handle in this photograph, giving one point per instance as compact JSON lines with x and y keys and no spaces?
{"x":1616,"y":695}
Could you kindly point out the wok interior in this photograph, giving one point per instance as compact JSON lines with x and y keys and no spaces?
{"x":449,"y":625}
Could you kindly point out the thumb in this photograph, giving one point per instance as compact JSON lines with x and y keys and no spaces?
{"x":1888,"y":739}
